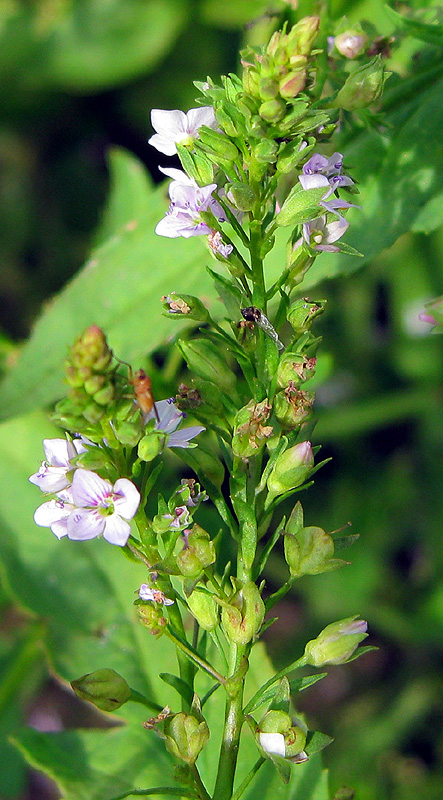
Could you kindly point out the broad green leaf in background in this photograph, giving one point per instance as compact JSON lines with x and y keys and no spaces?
{"x":85,"y":45}
{"x":83,"y":594}
{"x":119,"y":289}
{"x":400,"y":174}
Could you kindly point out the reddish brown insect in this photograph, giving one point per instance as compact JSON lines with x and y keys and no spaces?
{"x":143,"y":391}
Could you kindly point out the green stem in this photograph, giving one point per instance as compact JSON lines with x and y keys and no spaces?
{"x":244,"y":785}
{"x":193,"y":656}
{"x":232,"y":729}
{"x":136,"y":697}
{"x":199,"y":785}
{"x":259,"y":290}
{"x":186,"y":668}
{"x":295,"y":665}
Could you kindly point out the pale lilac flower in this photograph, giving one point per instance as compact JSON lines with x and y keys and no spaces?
{"x":92,"y":507}
{"x":317,"y":181}
{"x":175,"y":126}
{"x":53,"y":473}
{"x":181,"y":518}
{"x":183,"y":217}
{"x":330,"y":167}
{"x":320,"y":234}
{"x":169,"y":418}
{"x":153,"y":595}
{"x":54,"y":514}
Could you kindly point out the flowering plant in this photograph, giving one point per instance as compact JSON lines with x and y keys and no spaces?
{"x":258,"y":162}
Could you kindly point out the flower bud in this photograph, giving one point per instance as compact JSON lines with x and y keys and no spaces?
{"x":336,"y":643}
{"x":294,"y":368}
{"x":204,"y":358}
{"x":243,"y":617}
{"x":351,"y":43}
{"x":241,"y":196}
{"x":185,"y":736}
{"x":302,"y":313}
{"x":272,"y":110}
{"x":184,"y":305}
{"x":293,"y":406}
{"x":302,"y":36}
{"x":268,"y":89}
{"x":105,"y":688}
{"x":150,"y":445}
{"x":293,"y":83}
{"x":309,"y":551}
{"x":204,"y":608}
{"x":265,"y":151}
{"x":362,"y":87}
{"x":197,"y":554}
{"x":291,"y":469}
{"x":151,"y":616}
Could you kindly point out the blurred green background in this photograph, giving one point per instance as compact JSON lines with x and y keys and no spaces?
{"x":78,"y":79}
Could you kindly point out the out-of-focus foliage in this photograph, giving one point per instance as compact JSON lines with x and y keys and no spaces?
{"x":79,"y":76}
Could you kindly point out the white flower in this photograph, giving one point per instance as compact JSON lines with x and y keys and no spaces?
{"x":52,"y":475}
{"x":91,"y":507}
{"x":153,"y":595}
{"x":176,"y":126}
{"x":169,"y":418}
{"x":273,"y":743}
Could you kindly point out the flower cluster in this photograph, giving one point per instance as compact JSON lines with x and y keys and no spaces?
{"x":87,"y":507}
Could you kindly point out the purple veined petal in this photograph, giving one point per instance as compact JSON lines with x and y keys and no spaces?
{"x":184,"y":196}
{"x":116,"y":530}
{"x":204,"y":115}
{"x":169,"y":415}
{"x":58,"y":452}
{"x":317,"y":163}
{"x":315,"y":181}
{"x":50,"y":479}
{"x":50,"y":514}
{"x":126,"y":498}
{"x":88,"y":489}
{"x":273,"y":743}
{"x":182,"y":438}
{"x":85,"y":523}
{"x":181,"y":224}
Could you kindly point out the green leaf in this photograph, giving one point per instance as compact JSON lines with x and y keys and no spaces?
{"x":86,"y":46}
{"x":419,"y":30}
{"x":180,"y":686}
{"x":400,"y":174}
{"x":301,"y":205}
{"x":119,"y":289}
{"x":97,"y":764}
{"x":316,"y":741}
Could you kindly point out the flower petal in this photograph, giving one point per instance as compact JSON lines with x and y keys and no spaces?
{"x":58,"y":452}
{"x":273,"y":743}
{"x":50,"y":479}
{"x":146,"y":593}
{"x":126,"y":498}
{"x":116,"y":530}
{"x":88,"y":489}
{"x":85,"y":523}
{"x":169,"y":123}
{"x":204,"y":115}
{"x":49,"y":514}
{"x":314,"y":181}
{"x":183,"y":437}
{"x":178,"y":175}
